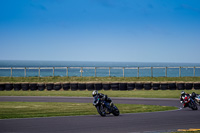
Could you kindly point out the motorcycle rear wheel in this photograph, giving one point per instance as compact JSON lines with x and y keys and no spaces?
{"x":115,"y":111}
{"x":193,"y":106}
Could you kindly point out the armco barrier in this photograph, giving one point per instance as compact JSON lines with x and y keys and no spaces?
{"x":106,"y":86}
{"x":2,"y":86}
{"x":81,"y":86}
{"x":114,"y":86}
{"x":156,"y":86}
{"x":139,"y":85}
{"x":74,"y":86}
{"x":147,"y":86}
{"x":8,"y":86}
{"x":98,"y":86}
{"x":164,"y":86}
{"x":33,"y":86}
{"x":17,"y":86}
{"x":122,"y":86}
{"x":130,"y":85}
{"x":25,"y":86}
{"x":66,"y":86}
{"x":49,"y":86}
{"x":57,"y":86}
{"x":180,"y":85}
{"x":188,"y":86}
{"x":197,"y":86}
{"x":90,"y":86}
{"x":41,"y":86}
{"x":172,"y":85}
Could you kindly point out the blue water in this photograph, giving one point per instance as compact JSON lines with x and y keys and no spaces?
{"x":171,"y":72}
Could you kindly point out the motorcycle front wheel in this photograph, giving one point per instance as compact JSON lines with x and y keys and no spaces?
{"x":101,"y":110}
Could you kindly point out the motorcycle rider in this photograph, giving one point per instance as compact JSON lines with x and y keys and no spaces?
{"x":108,"y":101}
{"x":193,"y":95}
{"x":183,"y":95}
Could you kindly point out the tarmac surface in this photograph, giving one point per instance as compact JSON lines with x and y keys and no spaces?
{"x":155,"y":122}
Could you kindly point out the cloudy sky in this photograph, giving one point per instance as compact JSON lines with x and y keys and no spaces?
{"x":100,"y":30}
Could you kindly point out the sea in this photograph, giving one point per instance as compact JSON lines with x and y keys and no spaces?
{"x":102,"y":69}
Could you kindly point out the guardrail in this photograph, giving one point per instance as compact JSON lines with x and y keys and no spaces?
{"x":73,"y":86}
{"x":138,"y":69}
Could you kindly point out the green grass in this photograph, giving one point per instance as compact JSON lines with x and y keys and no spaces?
{"x":48,"y":109}
{"x":134,"y":93}
{"x":99,"y":79}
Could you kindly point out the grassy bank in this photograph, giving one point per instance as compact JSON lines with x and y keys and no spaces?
{"x":97,"y":79}
{"x":135,"y":93}
{"x":48,"y":109}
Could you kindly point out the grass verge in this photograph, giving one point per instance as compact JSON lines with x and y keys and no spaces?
{"x":99,"y":79}
{"x":48,"y":109}
{"x":134,"y":93}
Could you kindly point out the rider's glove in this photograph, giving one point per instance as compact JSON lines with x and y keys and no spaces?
{"x":181,"y":101}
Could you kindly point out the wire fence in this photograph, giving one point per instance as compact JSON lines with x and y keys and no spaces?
{"x":100,"y":71}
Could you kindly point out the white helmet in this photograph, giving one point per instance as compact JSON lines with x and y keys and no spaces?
{"x":182,"y":93}
{"x":94,"y":93}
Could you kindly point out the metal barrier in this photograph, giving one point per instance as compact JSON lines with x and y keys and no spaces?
{"x":94,"y":73}
{"x":74,"y":86}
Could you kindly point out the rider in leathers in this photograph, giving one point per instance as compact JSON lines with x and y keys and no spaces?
{"x":101,"y":96}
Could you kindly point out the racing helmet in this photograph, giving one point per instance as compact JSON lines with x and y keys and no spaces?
{"x":193,"y":94}
{"x":94,"y":93}
{"x":182,"y":93}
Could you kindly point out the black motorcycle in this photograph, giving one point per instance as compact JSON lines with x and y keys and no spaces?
{"x":104,"y":108}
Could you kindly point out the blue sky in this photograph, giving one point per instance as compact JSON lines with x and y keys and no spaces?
{"x":100,"y":30}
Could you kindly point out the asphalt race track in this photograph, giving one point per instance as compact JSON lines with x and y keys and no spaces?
{"x":125,"y":123}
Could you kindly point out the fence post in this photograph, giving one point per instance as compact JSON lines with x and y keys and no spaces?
{"x":179,"y":71}
{"x":67,"y":72}
{"x":123,"y":71}
{"x":138,"y":73}
{"x":53,"y":71}
{"x":109,"y":71}
{"x":25,"y":72}
{"x":194,"y":71}
{"x":165,"y":71}
{"x":152,"y":72}
{"x":39,"y":72}
{"x":81,"y":71}
{"x":11,"y":72}
{"x":95,"y":74}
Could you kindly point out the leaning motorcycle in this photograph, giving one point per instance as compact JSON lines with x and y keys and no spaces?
{"x":190,"y":102}
{"x":103,"y":110}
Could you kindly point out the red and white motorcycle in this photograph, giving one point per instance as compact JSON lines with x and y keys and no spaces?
{"x":188,"y":101}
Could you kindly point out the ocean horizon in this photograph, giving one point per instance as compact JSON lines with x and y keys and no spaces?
{"x":35,"y":63}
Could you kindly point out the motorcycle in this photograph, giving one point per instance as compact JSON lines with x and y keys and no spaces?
{"x":197,"y":99}
{"x":190,"y":102}
{"x":102,"y":108}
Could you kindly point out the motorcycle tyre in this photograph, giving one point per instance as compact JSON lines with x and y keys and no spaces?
{"x":193,"y":106}
{"x":100,"y":112}
{"x":115,"y":111}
